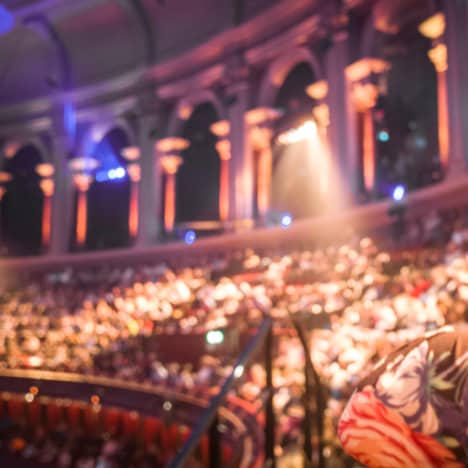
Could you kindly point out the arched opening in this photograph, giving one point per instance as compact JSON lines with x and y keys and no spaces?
{"x":296,"y":172}
{"x":406,"y":114}
{"x":21,"y":215}
{"x":198,"y":176}
{"x":108,"y":197}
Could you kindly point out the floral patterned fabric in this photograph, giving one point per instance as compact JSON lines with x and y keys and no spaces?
{"x":412,"y":410}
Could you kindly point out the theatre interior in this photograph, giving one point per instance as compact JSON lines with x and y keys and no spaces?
{"x":233,"y":233}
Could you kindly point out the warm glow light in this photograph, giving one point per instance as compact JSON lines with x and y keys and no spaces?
{"x":11,"y":149}
{"x":45,"y":170}
{"x":306,"y":131}
{"x":221,"y":129}
{"x":83,"y":164}
{"x":433,"y":27}
{"x":131,"y":153}
{"x":318,"y":90}
{"x":438,"y":56}
{"x":262,"y":115}
{"x":366,"y":67}
{"x":5,"y":177}
{"x":172,"y":144}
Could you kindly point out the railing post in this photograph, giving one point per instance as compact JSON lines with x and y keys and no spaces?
{"x":215,"y":444}
{"x":269,"y":412}
{"x":307,"y":423}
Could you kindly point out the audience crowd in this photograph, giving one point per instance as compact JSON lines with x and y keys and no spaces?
{"x":367,"y":302}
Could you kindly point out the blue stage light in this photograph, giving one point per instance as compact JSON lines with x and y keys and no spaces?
{"x":286,"y":220}
{"x":399,"y":193}
{"x":190,"y":237}
{"x":7,"y":20}
{"x":383,"y":136}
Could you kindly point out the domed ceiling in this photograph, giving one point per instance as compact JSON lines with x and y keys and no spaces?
{"x":100,"y":39}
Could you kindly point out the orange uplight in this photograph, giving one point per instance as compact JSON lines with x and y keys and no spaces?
{"x":368,"y":150}
{"x":81,"y":218}
{"x":46,"y":221}
{"x":169,"y":203}
{"x":224,"y":150}
{"x":133,"y":211}
{"x":45,"y":170}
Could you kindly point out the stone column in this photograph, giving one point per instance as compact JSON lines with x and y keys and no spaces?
{"x":434,"y":28}
{"x":259,"y":122}
{"x":62,"y":201}
{"x":5,"y":177}
{"x":223,"y":147}
{"x":364,"y":93}
{"x":242,"y":172}
{"x":46,"y":172}
{"x":151,"y":182}
{"x":170,"y":160}
{"x":132,"y":155}
{"x":456,"y":36}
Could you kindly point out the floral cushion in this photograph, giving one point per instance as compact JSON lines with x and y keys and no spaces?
{"x":412,"y":410}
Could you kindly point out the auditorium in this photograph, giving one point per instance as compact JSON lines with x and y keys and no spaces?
{"x":233,"y":234}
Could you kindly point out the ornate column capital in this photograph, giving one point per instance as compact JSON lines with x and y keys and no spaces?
{"x":259,"y":121}
{"x":365,"y":96}
{"x":321,"y":115}
{"x":366,"y":68}
{"x":82,"y":182}
{"x":172,"y":144}
{"x":131,"y":153}
{"x":45,"y":170}
{"x":47,"y":187}
{"x":170,"y":163}
{"x":223,"y":147}
{"x":134,"y":172}
{"x":318,"y":90}
{"x":433,"y":27}
{"x":262,"y":116}
{"x":221,"y":128}
{"x":438,"y":56}
{"x":260,"y":138}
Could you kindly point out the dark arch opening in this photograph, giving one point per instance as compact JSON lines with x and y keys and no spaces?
{"x":198,"y":178}
{"x":22,"y":204}
{"x":295,"y":177}
{"x":406,"y":115}
{"x":108,"y":198}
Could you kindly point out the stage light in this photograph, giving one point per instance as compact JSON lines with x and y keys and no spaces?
{"x":190,"y":237}
{"x":7,"y":20}
{"x":295,"y":135}
{"x":214,"y":337}
{"x":286,"y":220}
{"x":238,"y":371}
{"x":112,"y":174}
{"x":383,"y":136}
{"x":399,"y":193}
